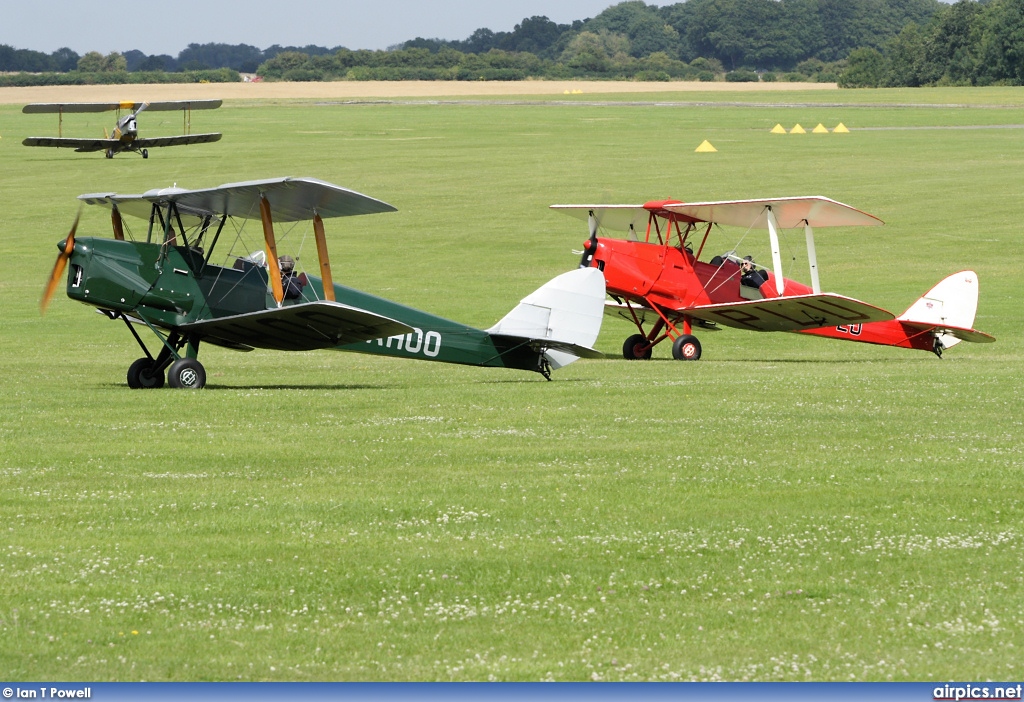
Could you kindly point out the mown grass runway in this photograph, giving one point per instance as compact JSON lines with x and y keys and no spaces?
{"x":785,"y":509}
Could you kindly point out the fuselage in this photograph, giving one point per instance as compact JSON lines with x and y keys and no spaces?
{"x":671,"y":277}
{"x":171,"y":286}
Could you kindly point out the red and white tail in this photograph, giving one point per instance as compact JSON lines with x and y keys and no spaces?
{"x":952,"y":305}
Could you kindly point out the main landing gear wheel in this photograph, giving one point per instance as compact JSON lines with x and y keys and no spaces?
{"x":686,"y":348}
{"x":187,"y":373}
{"x":145,"y":153}
{"x":142,"y":374}
{"x":109,"y":153}
{"x":637,"y":348}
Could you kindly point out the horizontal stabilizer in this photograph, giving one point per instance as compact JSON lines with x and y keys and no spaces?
{"x":793,"y":313}
{"x":561,"y":319}
{"x":304,"y":327}
{"x":943,"y":330}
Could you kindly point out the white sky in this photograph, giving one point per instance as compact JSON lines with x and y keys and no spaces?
{"x":167,"y":28}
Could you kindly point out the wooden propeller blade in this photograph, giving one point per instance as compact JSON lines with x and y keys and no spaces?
{"x":118,"y":225}
{"x":59,"y":265}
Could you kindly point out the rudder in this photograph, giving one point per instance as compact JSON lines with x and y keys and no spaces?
{"x":952,"y":302}
{"x":568,"y":309}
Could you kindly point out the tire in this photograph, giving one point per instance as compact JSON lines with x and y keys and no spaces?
{"x":633,"y":348}
{"x":686,"y":348}
{"x":187,"y":374}
{"x":145,"y":153}
{"x":109,"y":153}
{"x":142,"y":376}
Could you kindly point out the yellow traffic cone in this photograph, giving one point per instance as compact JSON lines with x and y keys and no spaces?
{"x":820,"y":129}
{"x":705,"y":148}
{"x":778,"y":129}
{"x":840,"y":129}
{"x":798,"y":130}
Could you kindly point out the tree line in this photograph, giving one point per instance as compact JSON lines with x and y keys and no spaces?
{"x":855,"y":42}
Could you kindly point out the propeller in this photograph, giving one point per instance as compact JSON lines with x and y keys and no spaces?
{"x":66,"y":247}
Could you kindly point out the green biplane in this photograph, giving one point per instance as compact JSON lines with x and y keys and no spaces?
{"x":169,"y":284}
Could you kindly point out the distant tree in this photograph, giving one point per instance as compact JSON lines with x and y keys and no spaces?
{"x":479,"y":42}
{"x":955,"y":41}
{"x":241,"y":57}
{"x":866,"y":68}
{"x":1001,"y":43}
{"x":65,"y":59}
{"x":91,"y":62}
{"x":907,"y":63}
{"x":114,"y":62}
{"x":534,"y":35}
{"x":593,"y":53}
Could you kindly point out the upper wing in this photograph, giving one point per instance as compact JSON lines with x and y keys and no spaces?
{"x":313,"y":325}
{"x":291,"y":200}
{"x":76,"y":144}
{"x":53,"y":107}
{"x":614,"y":217}
{"x":153,"y":142}
{"x":69,"y":107}
{"x":791,"y":313}
{"x":180,"y":105}
{"x":790,"y":212}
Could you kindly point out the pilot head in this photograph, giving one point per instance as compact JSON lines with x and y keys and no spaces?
{"x":287,"y":264}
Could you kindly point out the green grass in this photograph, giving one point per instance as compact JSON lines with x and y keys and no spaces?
{"x":785,"y":509}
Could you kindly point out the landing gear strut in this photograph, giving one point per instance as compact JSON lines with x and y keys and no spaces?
{"x":181,"y":371}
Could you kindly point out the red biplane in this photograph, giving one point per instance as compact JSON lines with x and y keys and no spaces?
{"x":657,"y":281}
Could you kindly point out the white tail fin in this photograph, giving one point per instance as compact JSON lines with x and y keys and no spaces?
{"x":567,"y":310}
{"x":953,"y":302}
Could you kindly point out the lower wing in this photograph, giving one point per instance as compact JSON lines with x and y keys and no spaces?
{"x":792,"y":313}
{"x":304,"y":327}
{"x":152,"y":143}
{"x":76,"y":144}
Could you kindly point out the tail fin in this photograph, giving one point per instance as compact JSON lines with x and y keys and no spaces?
{"x":951,"y":303}
{"x":561,"y":319}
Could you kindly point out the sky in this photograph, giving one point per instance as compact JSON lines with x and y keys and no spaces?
{"x":167,"y":28}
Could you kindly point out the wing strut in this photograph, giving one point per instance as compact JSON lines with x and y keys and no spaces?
{"x":773,"y":237}
{"x":268,"y":235}
{"x":812,"y":257}
{"x":321,"y":252}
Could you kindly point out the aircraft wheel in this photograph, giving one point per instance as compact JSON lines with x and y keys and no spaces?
{"x":686,"y":348}
{"x":109,"y":153}
{"x":187,"y":373}
{"x":633,"y":348}
{"x":142,"y":375}
{"x":145,"y":153}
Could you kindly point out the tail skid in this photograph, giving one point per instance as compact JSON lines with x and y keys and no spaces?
{"x":560,"y":320}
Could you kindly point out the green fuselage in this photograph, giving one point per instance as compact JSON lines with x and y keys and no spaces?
{"x":171,"y":286}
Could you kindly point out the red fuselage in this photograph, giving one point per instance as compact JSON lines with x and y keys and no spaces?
{"x":672,"y":279}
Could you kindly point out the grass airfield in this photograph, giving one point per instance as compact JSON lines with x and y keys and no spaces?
{"x":788,"y":508}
